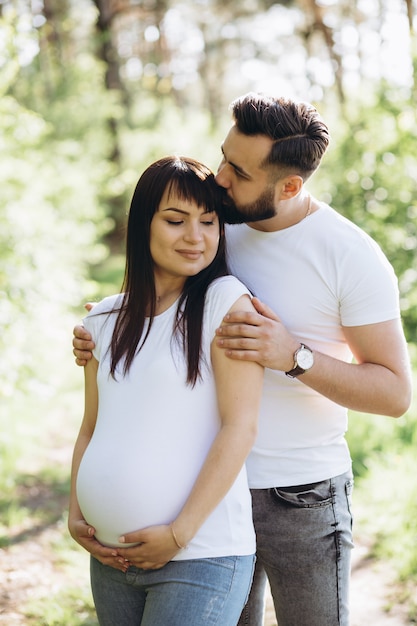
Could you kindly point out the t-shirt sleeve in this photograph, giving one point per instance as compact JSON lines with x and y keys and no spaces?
{"x":221,"y":296}
{"x":369,"y":287}
{"x":100,"y":324}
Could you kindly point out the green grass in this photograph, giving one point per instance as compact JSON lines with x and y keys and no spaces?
{"x":74,"y":608}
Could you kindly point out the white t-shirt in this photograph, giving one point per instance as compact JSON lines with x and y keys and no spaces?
{"x":153,"y":433}
{"x":317,"y":275}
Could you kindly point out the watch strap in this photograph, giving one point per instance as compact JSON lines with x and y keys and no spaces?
{"x":296,"y":371}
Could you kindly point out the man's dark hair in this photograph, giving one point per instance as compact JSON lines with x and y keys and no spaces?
{"x":300,"y":135}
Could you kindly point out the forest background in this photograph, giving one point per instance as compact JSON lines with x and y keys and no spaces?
{"x":91,"y":93}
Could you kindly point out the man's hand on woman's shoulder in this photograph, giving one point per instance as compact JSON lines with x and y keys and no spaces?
{"x":82,"y":342}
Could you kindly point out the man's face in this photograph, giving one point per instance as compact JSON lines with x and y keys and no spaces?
{"x":250,"y":192}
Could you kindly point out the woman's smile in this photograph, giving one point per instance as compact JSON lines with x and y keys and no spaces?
{"x":193,"y":255}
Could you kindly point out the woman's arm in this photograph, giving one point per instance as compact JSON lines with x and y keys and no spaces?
{"x":82,"y":532}
{"x":239,"y":388}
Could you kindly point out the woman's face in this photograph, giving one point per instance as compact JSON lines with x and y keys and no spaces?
{"x":184,"y":239}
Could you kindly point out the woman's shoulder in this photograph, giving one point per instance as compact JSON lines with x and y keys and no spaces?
{"x":227,"y":284}
{"x":221,"y":296}
{"x":103,"y":311}
{"x":108,"y":304}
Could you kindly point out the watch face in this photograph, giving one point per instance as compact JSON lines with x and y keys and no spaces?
{"x":305,"y":358}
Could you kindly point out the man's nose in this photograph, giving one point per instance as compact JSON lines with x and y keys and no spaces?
{"x":222,"y":178}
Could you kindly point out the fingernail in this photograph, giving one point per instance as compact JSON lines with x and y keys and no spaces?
{"x":122,"y":539}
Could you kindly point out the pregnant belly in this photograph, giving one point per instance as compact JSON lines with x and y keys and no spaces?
{"x":117,"y":496}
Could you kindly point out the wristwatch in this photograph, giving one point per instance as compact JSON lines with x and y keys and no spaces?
{"x":303,"y":361}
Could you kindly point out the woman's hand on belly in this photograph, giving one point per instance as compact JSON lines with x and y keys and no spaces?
{"x":155,"y":547}
{"x":83,"y":534}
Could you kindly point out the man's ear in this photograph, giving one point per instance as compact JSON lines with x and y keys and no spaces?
{"x":290,"y":186}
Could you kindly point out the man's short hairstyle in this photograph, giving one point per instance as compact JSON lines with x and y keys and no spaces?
{"x":299,"y":134}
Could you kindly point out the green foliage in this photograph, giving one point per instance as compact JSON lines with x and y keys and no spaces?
{"x":370,"y":177}
{"x":50,"y":224}
{"x":387,"y":498}
{"x":47,"y":235}
{"x":157,"y":126}
{"x":371,"y":435}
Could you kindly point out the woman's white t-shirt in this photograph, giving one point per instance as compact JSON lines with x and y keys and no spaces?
{"x":153,"y":433}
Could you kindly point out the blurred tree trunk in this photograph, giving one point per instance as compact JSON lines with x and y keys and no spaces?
{"x":107,"y":10}
{"x":409,"y":7}
{"x":107,"y":53}
{"x":115,"y":18}
{"x":53,"y":47}
{"x":317,"y":15}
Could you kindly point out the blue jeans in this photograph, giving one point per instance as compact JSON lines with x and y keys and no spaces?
{"x":197,"y":592}
{"x":304,"y":542}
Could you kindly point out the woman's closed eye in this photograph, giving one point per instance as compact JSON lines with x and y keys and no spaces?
{"x":208,"y":222}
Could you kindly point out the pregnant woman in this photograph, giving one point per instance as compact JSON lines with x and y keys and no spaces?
{"x":159,"y":495}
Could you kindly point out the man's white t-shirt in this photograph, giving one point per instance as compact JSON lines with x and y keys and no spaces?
{"x":318,"y":275}
{"x":153,"y":433}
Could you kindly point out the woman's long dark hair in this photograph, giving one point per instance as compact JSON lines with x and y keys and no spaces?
{"x":191,"y":181}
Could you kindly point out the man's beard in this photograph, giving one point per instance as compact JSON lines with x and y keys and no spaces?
{"x":261,"y":209}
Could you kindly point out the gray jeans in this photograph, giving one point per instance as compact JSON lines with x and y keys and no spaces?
{"x":304,"y":539}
